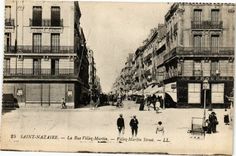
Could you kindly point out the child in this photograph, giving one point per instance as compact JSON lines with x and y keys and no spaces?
{"x":160,"y":130}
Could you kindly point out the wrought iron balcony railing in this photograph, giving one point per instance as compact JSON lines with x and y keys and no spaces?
{"x":46,"y":23}
{"x":207,"y":24}
{"x":39,"y":49}
{"x":9,"y":49}
{"x":9,"y":22}
{"x":39,"y":73}
{"x":199,"y":51}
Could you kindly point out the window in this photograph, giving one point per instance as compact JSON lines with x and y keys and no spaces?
{"x":194,"y":93}
{"x":7,"y":12}
{"x":197,"y":43}
{"x":36,"y":66}
{"x":55,"y":43}
{"x":37,"y":16}
{"x":197,"y":16}
{"x":37,"y":42}
{"x":215,"y":43}
{"x":55,"y":16}
{"x":217,"y":93}
{"x":215,"y":68}
{"x":7,"y":42}
{"x":8,"y":21}
{"x":55,"y":66}
{"x":6,"y":66}
{"x":197,"y":68}
{"x":215,"y":16}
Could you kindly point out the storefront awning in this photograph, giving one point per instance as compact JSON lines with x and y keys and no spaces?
{"x":173,"y":96}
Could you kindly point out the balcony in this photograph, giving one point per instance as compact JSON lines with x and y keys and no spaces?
{"x":206,"y":25}
{"x":39,"y":73}
{"x":45,"y":23}
{"x":9,"y":22}
{"x":199,"y":52}
{"x":40,"y":49}
{"x":9,"y":49}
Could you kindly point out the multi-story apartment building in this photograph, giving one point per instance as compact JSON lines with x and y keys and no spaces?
{"x":92,"y":72}
{"x":45,"y":55}
{"x":158,"y":53}
{"x":139,"y":79}
{"x":127,"y":74}
{"x":200,"y":45}
{"x":148,"y":61}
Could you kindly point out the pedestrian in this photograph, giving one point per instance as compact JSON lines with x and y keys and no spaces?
{"x":212,"y":122}
{"x":226,"y":117}
{"x":160,"y":131}
{"x":98,"y":102}
{"x":142,"y":103}
{"x":160,"y":99}
{"x":63,"y":103}
{"x":154,"y":100}
{"x":134,"y":126}
{"x":147,"y":100}
{"x":121,"y":125}
{"x":119,"y":101}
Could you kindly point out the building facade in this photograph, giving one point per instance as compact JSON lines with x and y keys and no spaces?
{"x":200,"y":45}
{"x":45,"y":54}
{"x":196,"y":43}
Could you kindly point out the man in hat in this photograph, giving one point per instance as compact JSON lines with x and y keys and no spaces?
{"x":134,"y":126}
{"x":212,"y":122}
{"x":121,"y":124}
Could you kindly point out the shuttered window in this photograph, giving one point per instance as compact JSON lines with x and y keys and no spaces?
{"x":55,"y":43}
{"x":36,"y":66}
{"x":197,"y":16}
{"x":215,"y":16}
{"x":6,"y":66}
{"x":215,"y":43}
{"x":37,"y":42}
{"x":197,"y":41}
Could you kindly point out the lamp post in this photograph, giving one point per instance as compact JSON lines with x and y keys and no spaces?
{"x":164,"y":94}
{"x":205,"y":86}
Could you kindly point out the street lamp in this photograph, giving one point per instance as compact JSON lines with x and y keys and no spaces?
{"x":205,"y":87}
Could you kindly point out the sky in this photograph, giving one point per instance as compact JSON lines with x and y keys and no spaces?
{"x":113,"y":30}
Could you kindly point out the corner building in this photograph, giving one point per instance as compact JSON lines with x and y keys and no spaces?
{"x":45,"y":55}
{"x":200,"y":45}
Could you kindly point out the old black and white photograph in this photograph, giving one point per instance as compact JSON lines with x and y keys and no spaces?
{"x":118,"y":77}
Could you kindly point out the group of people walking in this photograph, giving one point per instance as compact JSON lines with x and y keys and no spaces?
{"x":133,"y":124}
{"x":160,"y":131}
{"x":149,"y":100}
{"x":212,"y":122}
